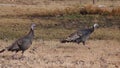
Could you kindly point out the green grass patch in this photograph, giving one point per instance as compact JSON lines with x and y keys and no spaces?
{"x":49,"y":28}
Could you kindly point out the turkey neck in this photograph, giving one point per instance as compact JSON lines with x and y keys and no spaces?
{"x":30,"y":34}
{"x":92,"y":29}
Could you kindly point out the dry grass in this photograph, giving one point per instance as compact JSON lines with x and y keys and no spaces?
{"x":106,"y":33}
{"x":36,"y":10}
{"x":47,"y":2}
{"x":94,"y":9}
{"x":52,"y":54}
{"x":56,"y":9}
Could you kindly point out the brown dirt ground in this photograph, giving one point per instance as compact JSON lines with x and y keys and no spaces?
{"x":53,"y":54}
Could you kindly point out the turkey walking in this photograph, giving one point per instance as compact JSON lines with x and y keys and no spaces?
{"x":22,"y":43}
{"x":80,"y":35}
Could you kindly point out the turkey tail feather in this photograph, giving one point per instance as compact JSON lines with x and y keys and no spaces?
{"x":64,"y":41}
{"x":2,"y":50}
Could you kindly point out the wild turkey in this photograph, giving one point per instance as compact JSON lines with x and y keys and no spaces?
{"x":80,"y":35}
{"x":23,"y":43}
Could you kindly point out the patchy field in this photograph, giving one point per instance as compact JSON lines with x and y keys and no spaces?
{"x":60,"y":27}
{"x":52,"y":54}
{"x":55,"y":20}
